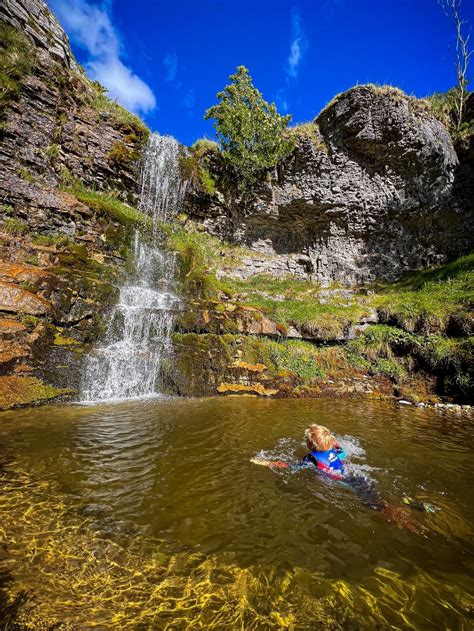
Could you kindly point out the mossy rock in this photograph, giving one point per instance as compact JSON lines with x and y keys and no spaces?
{"x":21,"y":391}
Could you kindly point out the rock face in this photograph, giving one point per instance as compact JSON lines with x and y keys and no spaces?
{"x":55,"y":131}
{"x":60,"y":259}
{"x":372,"y":195}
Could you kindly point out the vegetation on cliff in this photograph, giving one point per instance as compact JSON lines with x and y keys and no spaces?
{"x":414,"y":333}
{"x":17,"y":59}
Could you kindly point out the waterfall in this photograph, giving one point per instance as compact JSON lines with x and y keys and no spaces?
{"x":138,"y":336}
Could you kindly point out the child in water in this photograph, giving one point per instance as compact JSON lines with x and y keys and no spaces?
{"x":327,"y":455}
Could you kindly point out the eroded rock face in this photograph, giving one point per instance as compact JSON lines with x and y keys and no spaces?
{"x":374,"y":196}
{"x":60,"y":259}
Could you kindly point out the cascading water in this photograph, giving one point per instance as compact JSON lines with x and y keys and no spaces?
{"x":138,"y":336}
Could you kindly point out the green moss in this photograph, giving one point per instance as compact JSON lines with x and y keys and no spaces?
{"x":57,"y":239}
{"x":19,"y":391}
{"x":60,"y":340}
{"x":17,"y":60}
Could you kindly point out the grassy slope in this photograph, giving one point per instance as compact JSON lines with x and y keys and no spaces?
{"x":426,"y":317}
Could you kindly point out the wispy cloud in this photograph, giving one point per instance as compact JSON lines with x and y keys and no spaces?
{"x":298,"y":48}
{"x":298,"y":45}
{"x":170,"y":64}
{"x":89,"y":26}
{"x":189,"y":101}
{"x":281,"y":100}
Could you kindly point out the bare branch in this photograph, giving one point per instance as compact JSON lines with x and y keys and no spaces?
{"x":452,"y":8}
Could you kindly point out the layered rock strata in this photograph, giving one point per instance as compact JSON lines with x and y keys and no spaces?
{"x":375,"y":190}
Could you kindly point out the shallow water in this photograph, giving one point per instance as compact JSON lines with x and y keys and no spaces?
{"x":149,"y":514}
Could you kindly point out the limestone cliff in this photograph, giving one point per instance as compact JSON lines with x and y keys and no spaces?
{"x":60,"y":257}
{"x":374,"y":188}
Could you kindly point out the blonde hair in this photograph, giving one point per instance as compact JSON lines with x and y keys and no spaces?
{"x":319,"y":438}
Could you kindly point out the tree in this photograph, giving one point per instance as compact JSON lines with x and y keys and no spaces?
{"x":463,"y":54}
{"x":250,"y":131}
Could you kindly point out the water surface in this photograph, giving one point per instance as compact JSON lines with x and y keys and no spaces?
{"x":149,"y":514}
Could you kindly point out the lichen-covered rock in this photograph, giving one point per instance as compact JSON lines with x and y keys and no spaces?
{"x":19,"y":391}
{"x":376,"y":196}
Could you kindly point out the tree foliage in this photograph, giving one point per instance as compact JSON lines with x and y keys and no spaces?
{"x":250,"y":130}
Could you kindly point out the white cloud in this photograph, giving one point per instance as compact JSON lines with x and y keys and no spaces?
{"x":298,"y":45}
{"x":90,"y":27}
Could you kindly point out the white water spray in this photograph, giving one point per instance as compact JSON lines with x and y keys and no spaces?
{"x":127,"y":365}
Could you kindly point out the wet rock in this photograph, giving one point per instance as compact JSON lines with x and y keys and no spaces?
{"x":9,"y":327}
{"x":16,"y":391}
{"x":14,"y":299}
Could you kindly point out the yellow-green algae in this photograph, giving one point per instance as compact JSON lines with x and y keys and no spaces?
{"x":16,"y":391}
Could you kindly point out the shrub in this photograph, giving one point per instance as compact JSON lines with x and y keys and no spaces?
{"x":250,"y":130}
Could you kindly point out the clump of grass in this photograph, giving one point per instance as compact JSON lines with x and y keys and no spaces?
{"x":196,"y":165}
{"x":299,"y":358}
{"x":443,"y":106}
{"x":123,"y":156}
{"x":308,"y":130}
{"x":109,"y":204}
{"x":379,"y":350}
{"x":397,"y":94}
{"x":100,"y":102}
{"x":17,"y":60}
{"x":429,"y":300}
{"x":294,"y":302}
{"x":14,"y":226}
{"x":200,"y":255}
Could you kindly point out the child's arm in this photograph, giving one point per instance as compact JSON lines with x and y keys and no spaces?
{"x":273,"y":464}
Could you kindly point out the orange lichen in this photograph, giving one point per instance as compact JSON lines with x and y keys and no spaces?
{"x":250,"y":367}
{"x":238,"y":388}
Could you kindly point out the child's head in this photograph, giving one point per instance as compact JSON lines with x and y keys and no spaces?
{"x":319,"y":438}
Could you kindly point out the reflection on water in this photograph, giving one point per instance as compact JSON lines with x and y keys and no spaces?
{"x":150,"y":513}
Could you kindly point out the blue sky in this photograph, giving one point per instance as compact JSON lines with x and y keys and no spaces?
{"x":167,"y":59}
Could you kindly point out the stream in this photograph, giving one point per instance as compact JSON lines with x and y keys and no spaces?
{"x":149,"y":514}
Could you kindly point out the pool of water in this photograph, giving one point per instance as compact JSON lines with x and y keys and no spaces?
{"x":149,"y":514}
